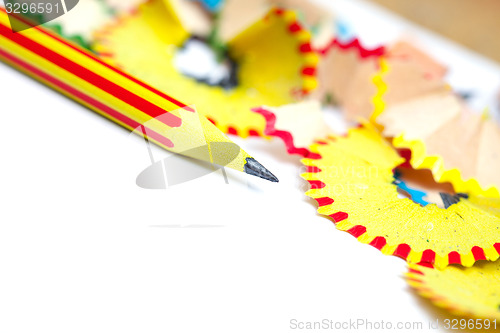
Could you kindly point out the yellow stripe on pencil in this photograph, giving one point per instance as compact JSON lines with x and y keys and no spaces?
{"x":120,"y":97}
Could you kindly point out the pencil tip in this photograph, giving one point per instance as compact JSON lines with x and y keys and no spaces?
{"x":254,"y":168}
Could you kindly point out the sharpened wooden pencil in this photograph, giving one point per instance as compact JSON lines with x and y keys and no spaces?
{"x":120,"y":97}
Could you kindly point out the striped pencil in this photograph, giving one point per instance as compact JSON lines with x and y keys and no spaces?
{"x":120,"y":97}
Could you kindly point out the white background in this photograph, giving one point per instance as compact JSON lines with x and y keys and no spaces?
{"x":83,"y":249}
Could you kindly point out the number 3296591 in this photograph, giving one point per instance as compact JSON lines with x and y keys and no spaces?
{"x":456,"y":324}
{"x":32,"y":8}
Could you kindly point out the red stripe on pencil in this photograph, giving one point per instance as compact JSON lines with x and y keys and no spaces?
{"x":103,"y":63}
{"x":82,"y":97}
{"x":96,"y":80}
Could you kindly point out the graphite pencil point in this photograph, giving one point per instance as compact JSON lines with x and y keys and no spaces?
{"x":254,"y":168}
